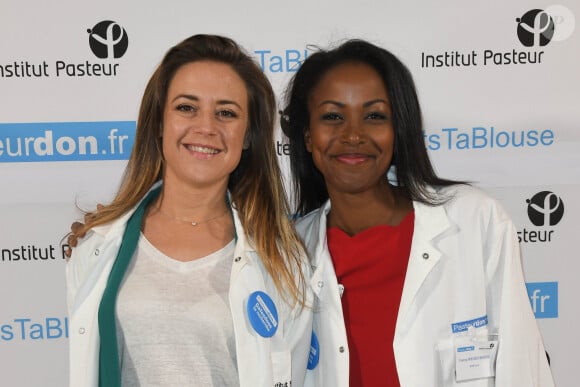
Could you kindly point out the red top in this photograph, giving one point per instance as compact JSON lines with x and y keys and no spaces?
{"x":371,"y":266}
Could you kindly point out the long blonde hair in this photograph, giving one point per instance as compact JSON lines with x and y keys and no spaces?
{"x":255,"y":185}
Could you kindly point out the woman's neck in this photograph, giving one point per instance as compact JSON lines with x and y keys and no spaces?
{"x":187,"y":223}
{"x":183,"y":201}
{"x":356,"y":212}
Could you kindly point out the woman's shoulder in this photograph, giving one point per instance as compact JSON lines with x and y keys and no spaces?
{"x":89,"y":245}
{"x":465,"y":194}
{"x":311,"y":220}
{"x":466,"y":201}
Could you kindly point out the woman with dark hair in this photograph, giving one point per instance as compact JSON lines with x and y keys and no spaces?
{"x":193,"y":275}
{"x":418,"y":279}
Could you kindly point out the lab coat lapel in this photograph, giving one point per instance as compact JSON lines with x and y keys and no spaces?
{"x":242,"y":250}
{"x":430,"y":222}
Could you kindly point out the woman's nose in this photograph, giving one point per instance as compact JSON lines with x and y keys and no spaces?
{"x":352,"y":133}
{"x":204,"y":123}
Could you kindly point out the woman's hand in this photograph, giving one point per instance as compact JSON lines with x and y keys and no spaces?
{"x":77,"y":232}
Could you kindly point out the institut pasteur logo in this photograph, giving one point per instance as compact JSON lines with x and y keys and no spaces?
{"x":540,"y":27}
{"x":545,"y":210}
{"x":533,"y":30}
{"x":108,"y":40}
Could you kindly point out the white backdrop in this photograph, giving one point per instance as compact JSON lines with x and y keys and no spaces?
{"x":491,"y":116}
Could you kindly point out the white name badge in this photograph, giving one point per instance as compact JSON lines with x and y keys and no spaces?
{"x":475,"y":358}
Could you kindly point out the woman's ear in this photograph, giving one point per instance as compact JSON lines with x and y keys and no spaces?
{"x":308,"y":140}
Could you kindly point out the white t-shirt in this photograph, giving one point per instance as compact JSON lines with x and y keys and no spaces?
{"x":174,"y":323}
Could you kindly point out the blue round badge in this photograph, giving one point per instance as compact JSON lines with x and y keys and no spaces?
{"x":314,"y":355}
{"x":262,"y":314}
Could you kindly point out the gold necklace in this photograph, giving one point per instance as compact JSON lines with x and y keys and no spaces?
{"x":192,"y":222}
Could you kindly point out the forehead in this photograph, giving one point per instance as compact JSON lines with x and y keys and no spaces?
{"x":207,"y":75}
{"x":350,"y":78}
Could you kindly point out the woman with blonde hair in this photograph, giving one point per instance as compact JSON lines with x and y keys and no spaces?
{"x":193,"y":274}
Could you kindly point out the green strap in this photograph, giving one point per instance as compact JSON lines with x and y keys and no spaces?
{"x":109,"y":370}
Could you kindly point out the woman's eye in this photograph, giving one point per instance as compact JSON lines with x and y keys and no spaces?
{"x":227,"y":114}
{"x":376,"y":116}
{"x":331,"y":117}
{"x":185,"y":108}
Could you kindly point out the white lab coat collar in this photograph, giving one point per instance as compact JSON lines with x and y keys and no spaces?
{"x":244,"y":248}
{"x":430,"y":223}
{"x":114,"y":230}
{"x":319,"y":225}
{"x":120,"y":223}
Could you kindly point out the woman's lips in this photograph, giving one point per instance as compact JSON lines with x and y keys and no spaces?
{"x":352,"y":158}
{"x":202,"y":149}
{"x":203,"y":152}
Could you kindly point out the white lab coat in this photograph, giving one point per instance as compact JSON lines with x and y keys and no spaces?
{"x":464,"y":264}
{"x":261,"y":361}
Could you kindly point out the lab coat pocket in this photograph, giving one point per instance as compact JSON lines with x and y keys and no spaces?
{"x":282,"y":369}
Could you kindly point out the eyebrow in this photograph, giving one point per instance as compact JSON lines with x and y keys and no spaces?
{"x":366,"y":104}
{"x":195,"y":98}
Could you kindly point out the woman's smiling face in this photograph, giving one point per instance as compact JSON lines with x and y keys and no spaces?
{"x":350,"y":135}
{"x":204,"y":123}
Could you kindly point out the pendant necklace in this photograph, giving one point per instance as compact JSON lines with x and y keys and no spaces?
{"x":191,"y":222}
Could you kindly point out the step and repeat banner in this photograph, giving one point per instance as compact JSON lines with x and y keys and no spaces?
{"x":498,"y":81}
